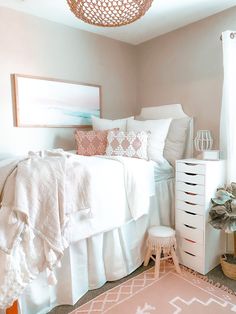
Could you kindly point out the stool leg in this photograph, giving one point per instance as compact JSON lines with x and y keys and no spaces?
{"x":175,"y":260}
{"x":147,"y":256}
{"x":157,"y":262}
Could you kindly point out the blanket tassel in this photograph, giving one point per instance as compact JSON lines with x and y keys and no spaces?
{"x":12,"y":219}
{"x":52,"y":281}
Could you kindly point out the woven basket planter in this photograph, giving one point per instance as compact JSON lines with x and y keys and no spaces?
{"x":229,"y":269}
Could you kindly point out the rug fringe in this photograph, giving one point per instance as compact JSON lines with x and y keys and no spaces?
{"x":210,"y":281}
{"x":205,"y":278}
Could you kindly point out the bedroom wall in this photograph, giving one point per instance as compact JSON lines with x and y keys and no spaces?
{"x":185,"y":66}
{"x":34,"y":46}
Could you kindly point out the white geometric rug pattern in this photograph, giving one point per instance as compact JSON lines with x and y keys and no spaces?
{"x":184,"y":307}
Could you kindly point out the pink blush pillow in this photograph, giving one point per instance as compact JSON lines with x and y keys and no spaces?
{"x":91,"y":143}
{"x":128,"y":144}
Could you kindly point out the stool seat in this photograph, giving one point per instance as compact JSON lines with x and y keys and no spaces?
{"x":161,"y":231}
{"x":162,"y":243}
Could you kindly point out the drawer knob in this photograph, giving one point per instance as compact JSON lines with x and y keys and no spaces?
{"x":189,"y":203}
{"x":188,"y":226}
{"x":188,"y":183}
{"x":189,"y":253}
{"x":189,"y":213}
{"x":190,"y":240}
{"x":190,"y":174}
{"x":190,"y":164}
{"x":190,"y":193}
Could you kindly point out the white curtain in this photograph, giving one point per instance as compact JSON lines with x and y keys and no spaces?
{"x":228,"y":110}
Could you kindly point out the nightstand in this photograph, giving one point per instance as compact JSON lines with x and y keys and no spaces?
{"x":199,"y":244}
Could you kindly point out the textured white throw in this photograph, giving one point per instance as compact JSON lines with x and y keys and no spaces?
{"x":39,"y":195}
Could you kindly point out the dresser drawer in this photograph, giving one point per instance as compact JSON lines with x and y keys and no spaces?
{"x":191,"y":198}
{"x":190,"y":207}
{"x":194,"y":220}
{"x":190,"y":247}
{"x":190,"y":167}
{"x":189,"y":232}
{"x":190,"y":187}
{"x":190,"y":177}
{"x":194,"y":262}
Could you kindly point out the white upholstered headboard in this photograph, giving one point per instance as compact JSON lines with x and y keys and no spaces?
{"x":174,"y":111}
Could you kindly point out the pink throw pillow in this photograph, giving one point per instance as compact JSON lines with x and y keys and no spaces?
{"x":128,"y":144}
{"x":91,"y":143}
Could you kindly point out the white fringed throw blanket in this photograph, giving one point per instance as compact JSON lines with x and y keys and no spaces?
{"x":40,"y":193}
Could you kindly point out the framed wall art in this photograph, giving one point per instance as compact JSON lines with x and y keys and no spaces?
{"x":44,"y":102}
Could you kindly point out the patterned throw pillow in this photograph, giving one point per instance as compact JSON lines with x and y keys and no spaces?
{"x":128,"y":144}
{"x":91,"y":143}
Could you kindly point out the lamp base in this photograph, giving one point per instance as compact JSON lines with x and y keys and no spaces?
{"x":211,"y":155}
{"x":199,"y":156}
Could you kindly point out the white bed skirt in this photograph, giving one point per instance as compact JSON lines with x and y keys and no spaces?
{"x":107,"y":256}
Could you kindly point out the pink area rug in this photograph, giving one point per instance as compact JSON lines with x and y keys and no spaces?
{"x":187,"y":293}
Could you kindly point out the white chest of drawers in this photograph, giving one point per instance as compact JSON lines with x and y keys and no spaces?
{"x":199,"y":244}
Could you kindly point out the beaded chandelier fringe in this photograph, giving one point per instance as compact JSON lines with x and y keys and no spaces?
{"x":109,"y":13}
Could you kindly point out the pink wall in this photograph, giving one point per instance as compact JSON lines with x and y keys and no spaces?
{"x":185,"y":66}
{"x":34,"y":46}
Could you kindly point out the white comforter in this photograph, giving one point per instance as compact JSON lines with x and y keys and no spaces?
{"x":118,"y":189}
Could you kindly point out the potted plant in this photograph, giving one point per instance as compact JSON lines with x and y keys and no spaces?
{"x":223,"y":216}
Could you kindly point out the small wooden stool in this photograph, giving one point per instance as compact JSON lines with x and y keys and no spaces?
{"x":162,"y":243}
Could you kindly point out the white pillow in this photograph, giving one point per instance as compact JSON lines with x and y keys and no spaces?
{"x":158,"y":129}
{"x":105,"y":124}
{"x":176,"y":140}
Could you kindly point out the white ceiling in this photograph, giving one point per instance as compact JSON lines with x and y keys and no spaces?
{"x":163,"y":16}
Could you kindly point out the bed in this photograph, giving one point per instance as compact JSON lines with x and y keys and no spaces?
{"x":112,"y":244}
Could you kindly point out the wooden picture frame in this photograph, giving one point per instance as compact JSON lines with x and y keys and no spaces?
{"x":47,"y":102}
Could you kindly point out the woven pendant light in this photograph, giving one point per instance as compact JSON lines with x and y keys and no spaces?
{"x":109,"y":13}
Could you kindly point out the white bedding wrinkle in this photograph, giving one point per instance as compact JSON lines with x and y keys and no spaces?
{"x":139,"y":183}
{"x":163,"y":171}
{"x":121,"y":188}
